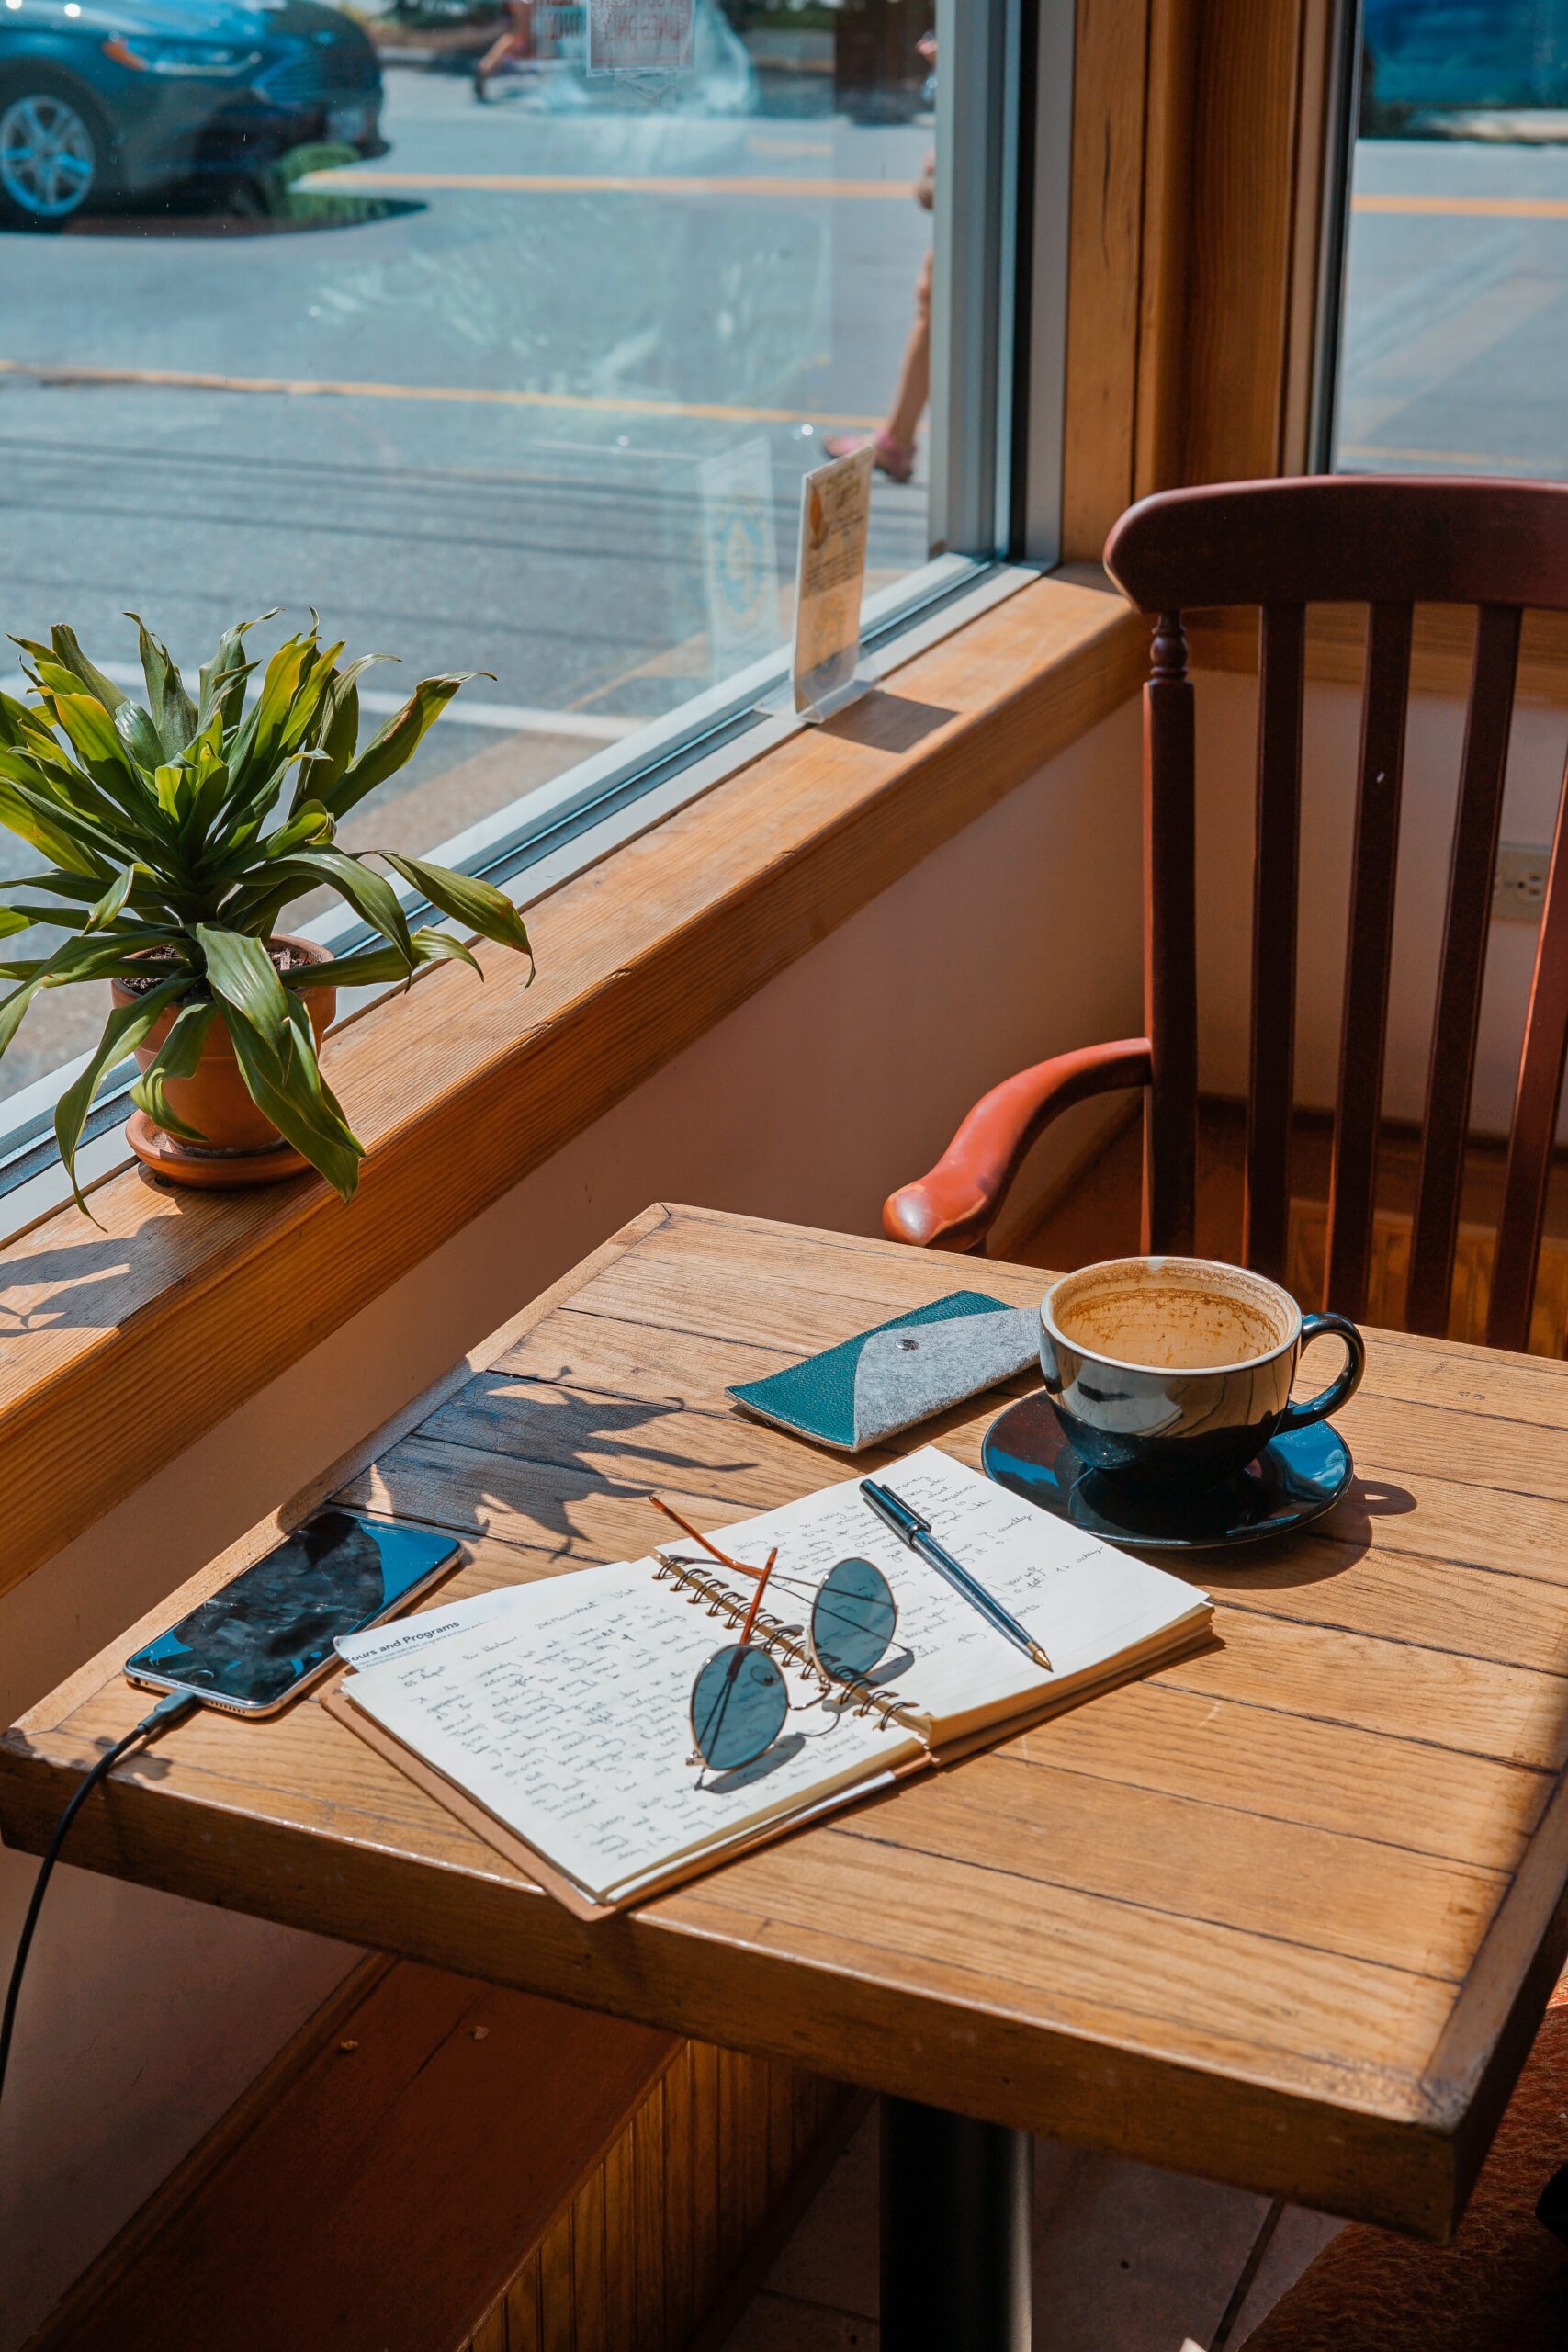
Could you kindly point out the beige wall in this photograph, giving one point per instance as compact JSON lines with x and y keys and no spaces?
{"x":1226,"y":725}
{"x":144,"y":2016}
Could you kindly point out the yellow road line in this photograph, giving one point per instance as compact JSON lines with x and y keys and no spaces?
{"x":1468,"y":208}
{"x":1438,"y":456}
{"x":549,"y":184}
{"x":304,"y":386}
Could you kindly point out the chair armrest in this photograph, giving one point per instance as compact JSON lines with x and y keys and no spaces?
{"x":955,"y":1205}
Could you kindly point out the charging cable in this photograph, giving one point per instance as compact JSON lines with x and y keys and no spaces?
{"x":168,"y":1711}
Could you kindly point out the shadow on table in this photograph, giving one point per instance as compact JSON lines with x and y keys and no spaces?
{"x":595,"y":1443}
{"x":1320,"y":1553}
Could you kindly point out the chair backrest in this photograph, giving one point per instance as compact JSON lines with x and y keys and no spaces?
{"x":1389,"y":543}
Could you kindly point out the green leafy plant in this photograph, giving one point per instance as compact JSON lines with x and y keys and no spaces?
{"x":177,"y":833}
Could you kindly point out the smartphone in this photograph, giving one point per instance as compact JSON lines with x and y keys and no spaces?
{"x":267,"y":1636}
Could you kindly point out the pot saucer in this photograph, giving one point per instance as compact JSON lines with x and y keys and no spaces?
{"x":215,"y":1172}
{"x":1294,"y":1480}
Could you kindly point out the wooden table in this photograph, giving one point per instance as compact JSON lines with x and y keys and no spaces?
{"x":1285,"y":1913}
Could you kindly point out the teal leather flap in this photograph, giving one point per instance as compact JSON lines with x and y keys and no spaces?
{"x":856,"y":1394}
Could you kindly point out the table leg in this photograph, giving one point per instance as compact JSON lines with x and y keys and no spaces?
{"x":956,"y":2236}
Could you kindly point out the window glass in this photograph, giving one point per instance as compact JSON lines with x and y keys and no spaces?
{"x":1457,"y":285}
{"x":504,"y":364}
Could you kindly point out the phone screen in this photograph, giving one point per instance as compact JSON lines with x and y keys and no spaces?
{"x":274,"y":1626}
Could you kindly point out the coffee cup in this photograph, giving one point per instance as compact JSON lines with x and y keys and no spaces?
{"x":1177,"y":1372}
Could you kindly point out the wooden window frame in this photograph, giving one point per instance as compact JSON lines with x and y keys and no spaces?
{"x":1203,"y":140}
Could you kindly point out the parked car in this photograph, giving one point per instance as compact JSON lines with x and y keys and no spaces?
{"x":1434,"y":56}
{"x":105,"y":99}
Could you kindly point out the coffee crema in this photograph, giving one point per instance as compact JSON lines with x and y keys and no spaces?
{"x":1158,"y":1316}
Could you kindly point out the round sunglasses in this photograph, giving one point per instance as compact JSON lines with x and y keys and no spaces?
{"x":740,"y":1699}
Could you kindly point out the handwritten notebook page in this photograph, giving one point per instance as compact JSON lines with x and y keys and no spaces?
{"x":1093,"y":1609}
{"x":567,"y":1717}
{"x":562,"y":1707}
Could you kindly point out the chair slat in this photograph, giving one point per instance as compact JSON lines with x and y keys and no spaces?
{"x":1534,"y":1129}
{"x":1463,"y":966}
{"x":1171,"y":985}
{"x":1282,"y":676}
{"x":1369,"y":951}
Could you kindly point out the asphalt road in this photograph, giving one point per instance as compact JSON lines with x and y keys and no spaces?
{"x":489,"y":393}
{"x":541,"y":365}
{"x":1457,"y":310}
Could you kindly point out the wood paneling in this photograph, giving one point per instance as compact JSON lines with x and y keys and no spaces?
{"x":1100,"y":1218}
{"x":1388,"y":1272}
{"x":1440,"y":661}
{"x":596,"y":2282}
{"x":459,"y":1089}
{"x":435,"y":2164}
{"x":1284,"y":1913}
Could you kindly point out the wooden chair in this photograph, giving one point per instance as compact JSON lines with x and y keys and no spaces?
{"x":1388,"y":544}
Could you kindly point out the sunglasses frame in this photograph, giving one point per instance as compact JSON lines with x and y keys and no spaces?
{"x":830,"y":1683}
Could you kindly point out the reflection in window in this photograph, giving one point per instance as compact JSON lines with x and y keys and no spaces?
{"x":1456,"y":304}
{"x":502,"y":366}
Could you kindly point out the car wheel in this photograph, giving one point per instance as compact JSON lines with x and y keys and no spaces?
{"x":52,"y":152}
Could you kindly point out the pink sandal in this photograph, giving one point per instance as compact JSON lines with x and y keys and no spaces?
{"x":898,"y":464}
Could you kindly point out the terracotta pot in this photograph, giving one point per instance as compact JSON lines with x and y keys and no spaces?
{"x":215,"y":1102}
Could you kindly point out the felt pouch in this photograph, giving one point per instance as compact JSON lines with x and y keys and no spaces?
{"x":887,"y":1379}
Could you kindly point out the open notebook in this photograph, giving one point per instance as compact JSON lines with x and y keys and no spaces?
{"x":554,"y":1717}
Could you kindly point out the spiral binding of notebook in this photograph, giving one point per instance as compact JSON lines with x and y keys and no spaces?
{"x":780,"y":1640}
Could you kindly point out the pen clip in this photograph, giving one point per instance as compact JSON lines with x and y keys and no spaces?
{"x":895,"y":1512}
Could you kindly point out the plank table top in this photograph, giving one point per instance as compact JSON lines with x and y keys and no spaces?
{"x":1285,"y":1913}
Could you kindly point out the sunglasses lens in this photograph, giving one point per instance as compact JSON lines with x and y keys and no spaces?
{"x":853,"y":1619}
{"x":739,"y":1705}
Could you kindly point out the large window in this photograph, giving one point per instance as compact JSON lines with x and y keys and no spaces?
{"x":504,"y":364}
{"x":1456,"y":297}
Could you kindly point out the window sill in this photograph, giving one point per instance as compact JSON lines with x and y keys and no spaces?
{"x":206,"y":1298}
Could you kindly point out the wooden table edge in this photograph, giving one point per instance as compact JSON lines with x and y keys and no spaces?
{"x":1062,"y":2081}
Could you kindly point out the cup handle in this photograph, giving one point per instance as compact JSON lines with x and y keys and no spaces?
{"x":1338,"y":1392}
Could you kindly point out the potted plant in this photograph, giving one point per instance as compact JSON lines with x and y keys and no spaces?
{"x":175,"y":835}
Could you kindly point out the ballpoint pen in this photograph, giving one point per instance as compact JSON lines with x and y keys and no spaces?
{"x":915,"y":1531}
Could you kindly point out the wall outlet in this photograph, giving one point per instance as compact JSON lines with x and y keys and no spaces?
{"x":1519,"y":885}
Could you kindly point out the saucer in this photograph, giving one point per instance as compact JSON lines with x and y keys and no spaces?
{"x":1294,"y":1480}
{"x":214,"y":1171}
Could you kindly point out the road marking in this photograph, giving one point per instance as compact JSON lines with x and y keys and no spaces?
{"x":1442,"y":457}
{"x":554,"y":183}
{"x":1468,"y":208}
{"x":507,"y":718}
{"x":68,"y":372}
{"x":1442,"y":322}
